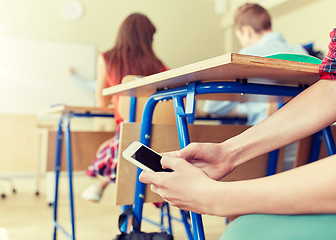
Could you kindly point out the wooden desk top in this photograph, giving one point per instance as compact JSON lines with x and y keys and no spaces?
{"x":228,"y":67}
{"x":63,"y":109}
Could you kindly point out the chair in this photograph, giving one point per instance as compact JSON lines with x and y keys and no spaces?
{"x":278,"y":227}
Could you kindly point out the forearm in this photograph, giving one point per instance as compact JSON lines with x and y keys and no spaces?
{"x":89,"y":85}
{"x":305,"y":190}
{"x":307,"y":113}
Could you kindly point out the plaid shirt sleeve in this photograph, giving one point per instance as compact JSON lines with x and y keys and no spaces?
{"x":328,"y":67}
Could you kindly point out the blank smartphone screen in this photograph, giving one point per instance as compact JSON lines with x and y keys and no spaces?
{"x":149,"y":159}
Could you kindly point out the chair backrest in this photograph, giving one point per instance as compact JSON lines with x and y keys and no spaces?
{"x":84,"y":148}
{"x":163,"y":112}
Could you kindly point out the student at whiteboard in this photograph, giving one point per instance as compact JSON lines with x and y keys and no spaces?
{"x":85,"y":83}
{"x":131,"y":55}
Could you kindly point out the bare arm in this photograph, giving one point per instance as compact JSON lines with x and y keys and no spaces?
{"x":307,"y":113}
{"x":102,"y":101}
{"x":306,"y":190}
{"x":309,"y":189}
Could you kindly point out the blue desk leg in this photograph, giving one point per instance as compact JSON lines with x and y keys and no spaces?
{"x":146,"y":128}
{"x":316,"y":144}
{"x":273,"y":156}
{"x":124,"y":225}
{"x":165,"y":212}
{"x":186,"y":224}
{"x":59,"y":141}
{"x":170,"y":229}
{"x":272,"y":162}
{"x":162,"y":217}
{"x":329,"y":140}
{"x":69,"y":165}
{"x":317,"y":141}
{"x":315,"y":147}
{"x":182,"y":128}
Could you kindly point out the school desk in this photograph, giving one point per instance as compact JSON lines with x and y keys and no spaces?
{"x":246,"y":78}
{"x":84,"y":144}
{"x":68,"y":112}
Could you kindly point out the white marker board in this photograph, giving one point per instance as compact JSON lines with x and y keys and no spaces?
{"x":34,"y":74}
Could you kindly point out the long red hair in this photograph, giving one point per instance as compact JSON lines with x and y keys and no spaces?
{"x":133,"y":53}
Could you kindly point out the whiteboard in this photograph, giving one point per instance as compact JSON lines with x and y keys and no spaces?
{"x":34,"y":74}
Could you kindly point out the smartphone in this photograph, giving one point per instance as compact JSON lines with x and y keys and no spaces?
{"x":144,"y":157}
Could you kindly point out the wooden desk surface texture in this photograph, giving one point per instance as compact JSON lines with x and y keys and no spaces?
{"x":228,"y":67}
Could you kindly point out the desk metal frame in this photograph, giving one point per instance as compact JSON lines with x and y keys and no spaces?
{"x":164,"y":209}
{"x":189,"y":92}
{"x":64,"y":127}
{"x":64,"y":122}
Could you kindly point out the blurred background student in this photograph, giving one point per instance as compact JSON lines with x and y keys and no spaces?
{"x":253,"y":27}
{"x":132,"y":55}
{"x":85,"y":83}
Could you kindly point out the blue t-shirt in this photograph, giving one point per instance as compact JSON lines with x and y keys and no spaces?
{"x":272,"y":43}
{"x":269,"y":43}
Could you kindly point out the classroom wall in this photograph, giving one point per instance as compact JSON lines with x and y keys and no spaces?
{"x":18,"y":144}
{"x":308,"y":23}
{"x":187,"y":31}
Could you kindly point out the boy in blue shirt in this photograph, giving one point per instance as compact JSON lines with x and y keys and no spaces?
{"x":254,"y":31}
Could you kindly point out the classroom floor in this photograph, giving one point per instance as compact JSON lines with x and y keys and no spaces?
{"x":25,"y":216}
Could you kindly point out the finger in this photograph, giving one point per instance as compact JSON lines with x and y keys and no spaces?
{"x":173,"y":163}
{"x":159,"y":191}
{"x":156,"y":178}
{"x":189,"y":151}
{"x":154,"y":189}
{"x":171,"y":154}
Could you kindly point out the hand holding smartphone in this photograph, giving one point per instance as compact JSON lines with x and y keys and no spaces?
{"x":144,"y":157}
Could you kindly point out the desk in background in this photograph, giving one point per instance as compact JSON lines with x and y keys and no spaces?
{"x":66,"y":113}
